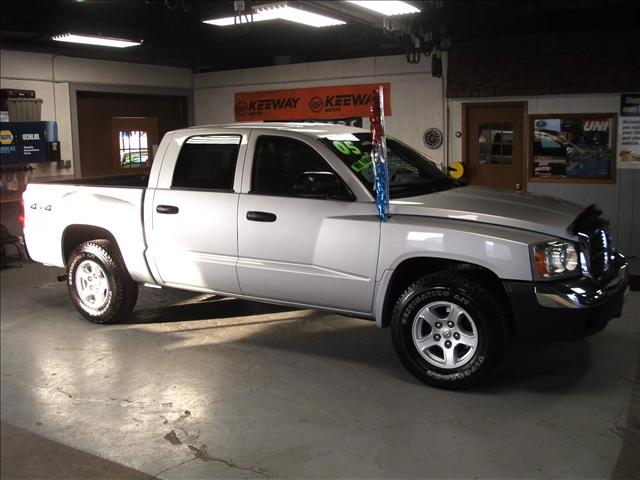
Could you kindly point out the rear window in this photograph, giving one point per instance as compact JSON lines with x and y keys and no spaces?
{"x":207,"y":162}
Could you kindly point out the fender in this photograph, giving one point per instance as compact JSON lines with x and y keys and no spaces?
{"x":503,"y":251}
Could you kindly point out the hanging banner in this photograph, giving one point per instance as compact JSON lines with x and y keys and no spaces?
{"x":379,"y":153}
{"x":343,"y":101}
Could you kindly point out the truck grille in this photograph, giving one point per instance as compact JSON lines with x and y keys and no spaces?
{"x":598,"y":245}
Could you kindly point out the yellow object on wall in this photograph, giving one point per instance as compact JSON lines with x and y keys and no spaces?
{"x":456,"y":170}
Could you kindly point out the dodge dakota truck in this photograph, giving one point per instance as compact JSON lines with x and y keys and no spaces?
{"x":285,"y":213}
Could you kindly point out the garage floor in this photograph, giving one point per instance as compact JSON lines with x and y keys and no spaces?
{"x":201,"y":387}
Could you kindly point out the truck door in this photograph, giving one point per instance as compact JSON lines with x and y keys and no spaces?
{"x":193,"y":237}
{"x":315,"y":251}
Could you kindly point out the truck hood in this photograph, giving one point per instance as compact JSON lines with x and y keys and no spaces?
{"x":524,"y":211}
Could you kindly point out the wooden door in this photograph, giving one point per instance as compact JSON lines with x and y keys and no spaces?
{"x":134,"y":142}
{"x":96,"y":111}
{"x":494,"y":144}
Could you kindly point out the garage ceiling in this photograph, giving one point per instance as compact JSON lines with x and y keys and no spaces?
{"x":174,"y":34}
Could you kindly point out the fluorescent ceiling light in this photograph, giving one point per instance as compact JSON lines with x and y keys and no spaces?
{"x":292,"y":14}
{"x":279,"y":12}
{"x":387,"y":7}
{"x":99,"y":41}
{"x":227,"y":21}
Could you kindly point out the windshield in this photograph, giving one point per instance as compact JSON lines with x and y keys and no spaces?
{"x":410,"y":173}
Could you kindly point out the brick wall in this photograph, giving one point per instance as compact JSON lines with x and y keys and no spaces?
{"x":585,"y":62}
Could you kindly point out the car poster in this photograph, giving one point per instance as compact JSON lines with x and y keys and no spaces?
{"x":580,"y":146}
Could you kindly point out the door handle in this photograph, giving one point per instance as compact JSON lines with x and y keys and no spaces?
{"x":170,"y":209}
{"x":261,"y":216}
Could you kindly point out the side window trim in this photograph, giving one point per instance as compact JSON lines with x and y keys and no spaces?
{"x":238,"y":163}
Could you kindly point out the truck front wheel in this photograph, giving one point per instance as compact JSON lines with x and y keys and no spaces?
{"x":448,"y":331}
{"x":99,"y":284}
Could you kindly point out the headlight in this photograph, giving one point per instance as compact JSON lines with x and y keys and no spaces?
{"x":554,"y":259}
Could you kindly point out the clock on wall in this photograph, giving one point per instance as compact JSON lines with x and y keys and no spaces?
{"x":432,"y":138}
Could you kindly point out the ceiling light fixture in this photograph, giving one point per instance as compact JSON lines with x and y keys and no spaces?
{"x":227,"y":21}
{"x":280,"y":11}
{"x":97,"y":41}
{"x":387,"y":7}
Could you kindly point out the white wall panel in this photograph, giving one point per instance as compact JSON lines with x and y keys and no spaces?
{"x":24,"y":65}
{"x":82,"y":70}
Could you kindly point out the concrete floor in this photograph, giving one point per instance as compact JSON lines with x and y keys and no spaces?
{"x":200,"y":387}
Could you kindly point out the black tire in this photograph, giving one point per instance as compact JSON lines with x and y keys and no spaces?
{"x":118,"y":293}
{"x":479,"y":318}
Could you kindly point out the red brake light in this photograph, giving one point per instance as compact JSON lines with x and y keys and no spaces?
{"x":21,"y":215}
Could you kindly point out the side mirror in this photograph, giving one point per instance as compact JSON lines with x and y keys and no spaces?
{"x":317,"y":185}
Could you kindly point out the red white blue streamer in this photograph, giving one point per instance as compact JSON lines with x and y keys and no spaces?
{"x":379,"y":154}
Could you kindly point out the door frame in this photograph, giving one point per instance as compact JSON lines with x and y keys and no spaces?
{"x":74,"y":88}
{"x":524,"y":174}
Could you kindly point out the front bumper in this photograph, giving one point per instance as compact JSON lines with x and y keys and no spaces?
{"x":570,"y":308}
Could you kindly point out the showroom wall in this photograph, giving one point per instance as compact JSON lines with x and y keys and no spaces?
{"x":416,"y":97}
{"x":585,"y":72}
{"x":620,"y":201}
{"x":52,"y":76}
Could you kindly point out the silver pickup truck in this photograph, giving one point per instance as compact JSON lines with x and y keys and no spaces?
{"x":285,"y":213}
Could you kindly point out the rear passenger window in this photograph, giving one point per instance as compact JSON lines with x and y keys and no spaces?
{"x":277,"y":162}
{"x":207,"y":162}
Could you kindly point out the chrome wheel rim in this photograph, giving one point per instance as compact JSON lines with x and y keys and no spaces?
{"x":92,"y":285}
{"x":445,"y":335}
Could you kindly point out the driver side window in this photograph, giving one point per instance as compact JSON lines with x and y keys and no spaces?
{"x":278,"y":162}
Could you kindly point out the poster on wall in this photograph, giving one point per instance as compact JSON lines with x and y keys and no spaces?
{"x":629,"y":131}
{"x":319,"y":103}
{"x":22,"y":143}
{"x":573,"y":146}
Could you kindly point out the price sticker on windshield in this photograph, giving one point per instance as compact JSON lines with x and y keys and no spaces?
{"x":347,"y":148}
{"x":364,"y":162}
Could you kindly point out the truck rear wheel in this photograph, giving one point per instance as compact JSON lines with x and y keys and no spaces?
{"x":448,"y":331}
{"x":99,"y":284}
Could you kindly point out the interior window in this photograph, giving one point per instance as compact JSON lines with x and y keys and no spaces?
{"x":207,"y":162}
{"x":134,"y":149}
{"x":279,"y":160}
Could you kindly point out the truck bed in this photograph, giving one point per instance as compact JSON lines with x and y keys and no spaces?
{"x":112,"y":203}
{"x":140,"y":180}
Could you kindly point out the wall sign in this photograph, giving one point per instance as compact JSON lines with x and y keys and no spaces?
{"x":25,"y":142}
{"x":629,"y":131}
{"x":573,"y":147}
{"x":344,"y":101}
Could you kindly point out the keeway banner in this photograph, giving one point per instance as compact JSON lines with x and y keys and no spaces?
{"x":318,"y":103}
